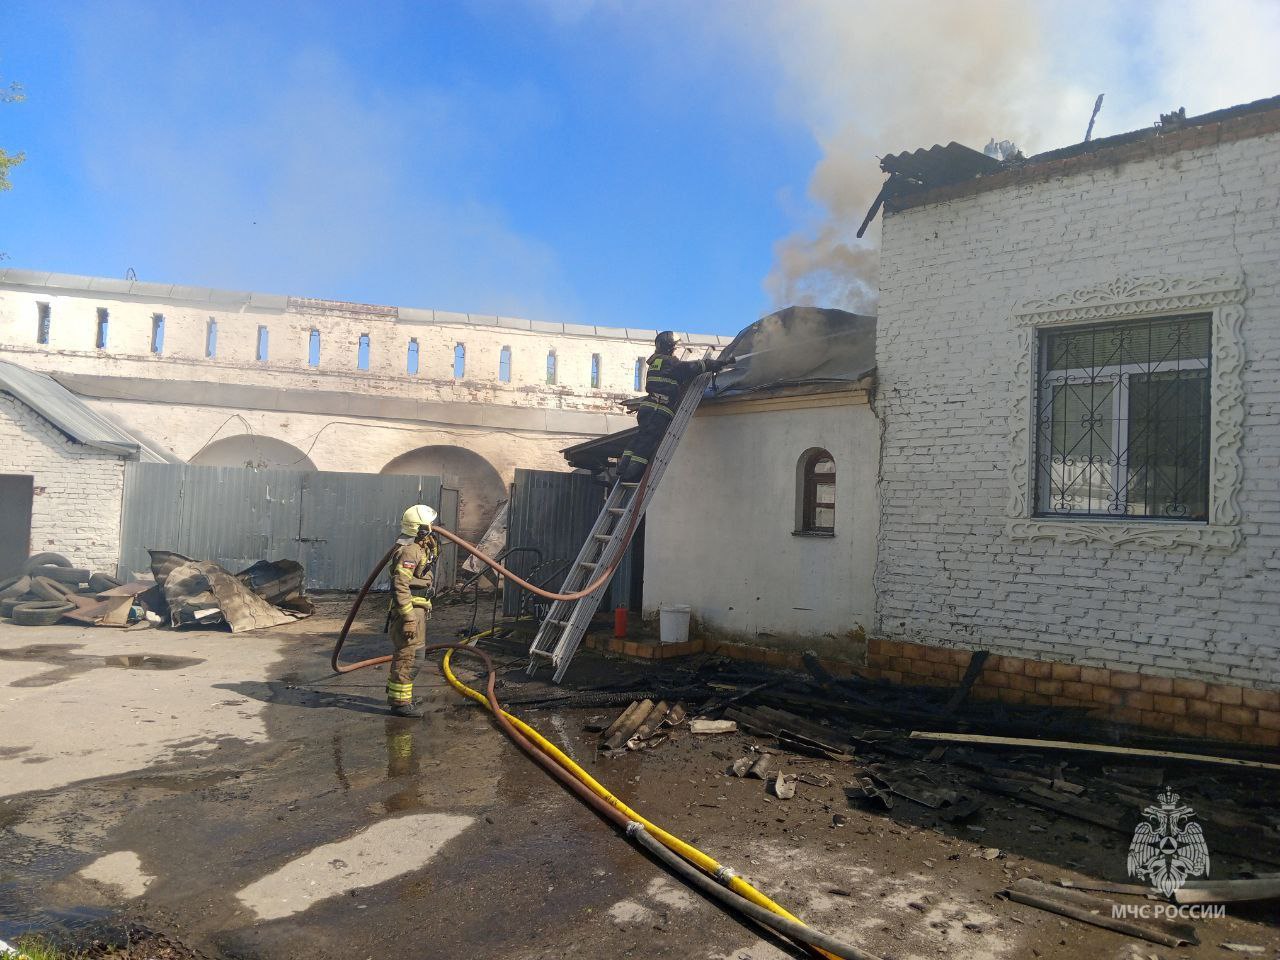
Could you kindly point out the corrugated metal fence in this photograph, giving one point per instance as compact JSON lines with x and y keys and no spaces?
{"x":336,"y":525}
{"x":554,"y":513}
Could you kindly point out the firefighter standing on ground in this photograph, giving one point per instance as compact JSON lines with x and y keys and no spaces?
{"x":666,"y":379}
{"x":410,"y":570}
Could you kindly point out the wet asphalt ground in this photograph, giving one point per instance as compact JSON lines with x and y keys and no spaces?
{"x":345,"y":833}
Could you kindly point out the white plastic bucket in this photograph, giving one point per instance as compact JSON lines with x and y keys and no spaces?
{"x":673,"y":623}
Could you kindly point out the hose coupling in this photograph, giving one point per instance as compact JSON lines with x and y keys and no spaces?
{"x":725,"y":875}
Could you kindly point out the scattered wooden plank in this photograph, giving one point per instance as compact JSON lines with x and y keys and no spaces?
{"x":977,"y":660}
{"x":1088,"y":748}
{"x":130,"y":589}
{"x":648,"y":725}
{"x":702,"y":725}
{"x":1228,"y":891}
{"x":1102,"y":886}
{"x":639,"y":712}
{"x":1098,"y":912}
{"x":622,"y":718}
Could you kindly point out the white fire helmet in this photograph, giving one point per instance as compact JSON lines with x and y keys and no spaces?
{"x":419,"y":515}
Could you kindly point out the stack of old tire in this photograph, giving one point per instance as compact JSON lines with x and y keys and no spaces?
{"x":41,"y":594}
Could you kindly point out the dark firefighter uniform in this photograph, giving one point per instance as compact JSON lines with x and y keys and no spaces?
{"x":410,"y":570}
{"x":667,"y":378}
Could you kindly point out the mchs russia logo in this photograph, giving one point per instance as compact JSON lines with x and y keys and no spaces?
{"x":1168,"y":847}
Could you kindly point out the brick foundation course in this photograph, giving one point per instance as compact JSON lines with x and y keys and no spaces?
{"x":1191,"y":708}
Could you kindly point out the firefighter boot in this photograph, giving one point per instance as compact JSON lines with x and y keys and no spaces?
{"x":408,"y":708}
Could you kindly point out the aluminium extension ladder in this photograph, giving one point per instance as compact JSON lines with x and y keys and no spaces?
{"x":567,"y":620}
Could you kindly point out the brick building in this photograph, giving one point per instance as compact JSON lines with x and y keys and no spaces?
{"x":62,"y":474}
{"x":226,"y":378}
{"x":1079,"y":380}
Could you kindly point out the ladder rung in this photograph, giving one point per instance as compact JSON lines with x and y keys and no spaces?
{"x":624,"y":500}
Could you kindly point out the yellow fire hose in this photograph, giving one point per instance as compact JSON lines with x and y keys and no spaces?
{"x":691,"y":853}
{"x":647,"y":834}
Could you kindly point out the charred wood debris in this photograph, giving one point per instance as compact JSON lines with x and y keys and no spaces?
{"x":864,"y":728}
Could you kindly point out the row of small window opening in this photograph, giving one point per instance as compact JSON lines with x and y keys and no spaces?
{"x":313,"y":349}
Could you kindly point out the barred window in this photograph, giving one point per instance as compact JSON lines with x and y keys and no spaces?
{"x":595,"y":371}
{"x":551,"y":369}
{"x":1123,"y":420}
{"x":504,"y":365}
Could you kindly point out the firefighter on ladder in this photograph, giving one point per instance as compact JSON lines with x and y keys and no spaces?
{"x":666,"y":379}
{"x":410,"y":571}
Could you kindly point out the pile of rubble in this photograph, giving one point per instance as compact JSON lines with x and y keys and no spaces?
{"x":179,"y":592}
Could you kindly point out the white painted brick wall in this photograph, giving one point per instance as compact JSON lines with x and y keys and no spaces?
{"x":951,"y":276}
{"x":73,"y":325}
{"x":78,"y":490}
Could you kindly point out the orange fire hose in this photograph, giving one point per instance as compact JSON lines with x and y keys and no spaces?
{"x":586,"y":591}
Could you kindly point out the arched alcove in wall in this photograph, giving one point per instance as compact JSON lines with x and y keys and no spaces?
{"x":479,"y":485}
{"x":254,"y":452}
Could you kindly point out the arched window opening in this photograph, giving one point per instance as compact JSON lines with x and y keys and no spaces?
{"x":459,"y":362}
{"x":551,"y":369}
{"x":595,"y":371}
{"x":211,"y":338}
{"x":263,"y":344}
{"x":817,"y":493}
{"x":43,"y":323}
{"x":411,"y":364}
{"x":362,"y":353}
{"x":641,"y":369}
{"x":504,"y":365}
{"x":313,"y":349}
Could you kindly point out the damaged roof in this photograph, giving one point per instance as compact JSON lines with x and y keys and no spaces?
{"x":944,"y":173}
{"x":820,"y":348}
{"x":797,"y":350}
{"x":72,"y":416}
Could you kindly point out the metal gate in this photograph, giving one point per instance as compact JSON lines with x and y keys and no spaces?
{"x":553,"y":513}
{"x":336,"y":525}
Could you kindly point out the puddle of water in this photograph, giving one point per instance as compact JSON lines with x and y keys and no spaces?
{"x":149,"y":661}
{"x":29,"y":866}
{"x":73,"y":664}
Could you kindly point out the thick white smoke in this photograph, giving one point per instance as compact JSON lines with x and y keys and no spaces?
{"x":871,"y":78}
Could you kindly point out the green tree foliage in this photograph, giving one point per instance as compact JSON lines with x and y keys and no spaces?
{"x":10,"y":94}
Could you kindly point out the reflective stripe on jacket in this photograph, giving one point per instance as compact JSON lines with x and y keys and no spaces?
{"x":667,"y":379}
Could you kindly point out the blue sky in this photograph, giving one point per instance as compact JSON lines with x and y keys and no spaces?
{"x":652,"y":165}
